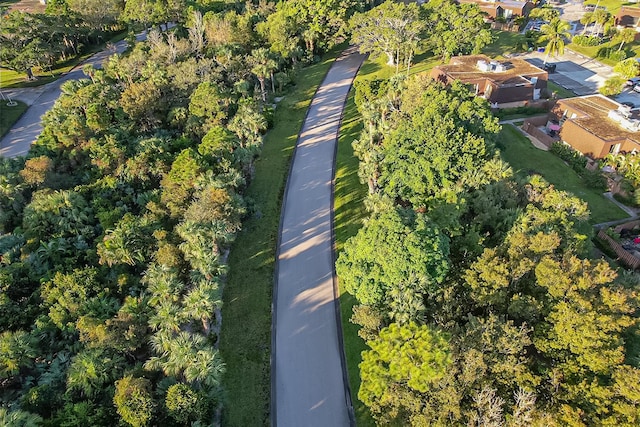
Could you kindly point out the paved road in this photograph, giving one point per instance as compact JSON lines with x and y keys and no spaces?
{"x":26,"y":130}
{"x":308,"y":384}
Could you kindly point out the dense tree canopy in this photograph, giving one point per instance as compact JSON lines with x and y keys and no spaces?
{"x":116,"y":227}
{"x":520,"y":328}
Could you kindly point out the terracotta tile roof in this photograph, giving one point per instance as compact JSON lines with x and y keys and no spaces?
{"x":595,"y":110}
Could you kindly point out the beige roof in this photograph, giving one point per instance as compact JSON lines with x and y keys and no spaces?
{"x":595,"y":110}
{"x":465,"y":68}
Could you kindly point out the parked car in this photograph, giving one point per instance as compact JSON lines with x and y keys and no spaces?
{"x":636,"y":88}
{"x":549,"y":68}
{"x":628,"y":104}
{"x":633,"y":81}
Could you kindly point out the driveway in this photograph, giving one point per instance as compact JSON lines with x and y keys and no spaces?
{"x":308,"y":372}
{"x":578,"y":73}
{"x":26,"y":130}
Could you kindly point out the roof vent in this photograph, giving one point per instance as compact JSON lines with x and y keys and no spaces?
{"x":622,"y":117}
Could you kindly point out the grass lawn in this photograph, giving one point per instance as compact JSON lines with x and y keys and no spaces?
{"x":10,"y":115}
{"x":525,"y":158}
{"x":13,"y":79}
{"x":246,"y":328}
{"x":613,"y":6}
{"x":506,"y":43}
{"x":632,"y":49}
{"x":559,"y":90}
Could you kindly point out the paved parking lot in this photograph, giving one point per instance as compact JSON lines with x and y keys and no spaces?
{"x":628,"y":95}
{"x":579,"y":74}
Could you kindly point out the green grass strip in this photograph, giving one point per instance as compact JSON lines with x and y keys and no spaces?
{"x":10,"y":115}
{"x":349,"y":214}
{"x":246,"y":315}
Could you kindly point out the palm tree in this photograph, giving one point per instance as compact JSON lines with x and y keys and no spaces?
{"x":625,"y":36}
{"x":202,"y":302}
{"x":586,"y":19}
{"x":90,"y":371}
{"x":600,"y":17}
{"x":19,"y":418}
{"x":263,"y":66}
{"x":554,"y":33}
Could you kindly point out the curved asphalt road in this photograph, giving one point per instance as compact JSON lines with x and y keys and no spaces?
{"x":27,"y":129}
{"x":307,"y":379}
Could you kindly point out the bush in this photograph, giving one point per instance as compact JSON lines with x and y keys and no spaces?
{"x":595,"y":180}
{"x":617,"y":55}
{"x":605,"y":248}
{"x":577,"y":161}
{"x":525,"y":110}
{"x":613,"y":86}
{"x":612,"y":53}
{"x":586,"y":40}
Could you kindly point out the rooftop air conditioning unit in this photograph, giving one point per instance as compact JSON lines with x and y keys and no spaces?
{"x":500,"y":68}
{"x":622,"y":118}
{"x":483,"y":66}
{"x":625,"y":110}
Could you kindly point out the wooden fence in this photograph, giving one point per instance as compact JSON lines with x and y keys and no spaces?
{"x":630,"y":260}
{"x":541,"y":136}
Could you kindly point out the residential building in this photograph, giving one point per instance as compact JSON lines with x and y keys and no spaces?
{"x":628,"y":17}
{"x":503,"y":83}
{"x":596,"y":126}
{"x":503,"y":9}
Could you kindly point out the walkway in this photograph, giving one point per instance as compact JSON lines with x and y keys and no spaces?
{"x":26,"y":130}
{"x":308,"y":379}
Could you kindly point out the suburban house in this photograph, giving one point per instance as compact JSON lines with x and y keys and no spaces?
{"x":503,"y":83}
{"x":503,"y":9}
{"x":597,"y":126}
{"x":628,"y":16}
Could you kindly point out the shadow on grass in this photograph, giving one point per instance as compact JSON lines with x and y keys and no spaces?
{"x":10,"y":115}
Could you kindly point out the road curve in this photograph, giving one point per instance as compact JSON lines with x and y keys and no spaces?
{"x":308,"y":384}
{"x":26,"y":130}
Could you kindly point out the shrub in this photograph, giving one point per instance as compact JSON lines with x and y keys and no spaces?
{"x":576,"y":160}
{"x":525,"y":110}
{"x":185,"y":405}
{"x":617,"y":55}
{"x":595,"y":180}
{"x":586,"y":40}
{"x":612,"y":53}
{"x":613,"y":86}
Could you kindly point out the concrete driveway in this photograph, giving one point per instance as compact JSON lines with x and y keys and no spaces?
{"x":575,"y":72}
{"x":26,"y":130}
{"x":308,"y":377}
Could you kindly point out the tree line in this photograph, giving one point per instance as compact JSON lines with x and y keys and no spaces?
{"x":476,"y":295}
{"x":117,"y":225}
